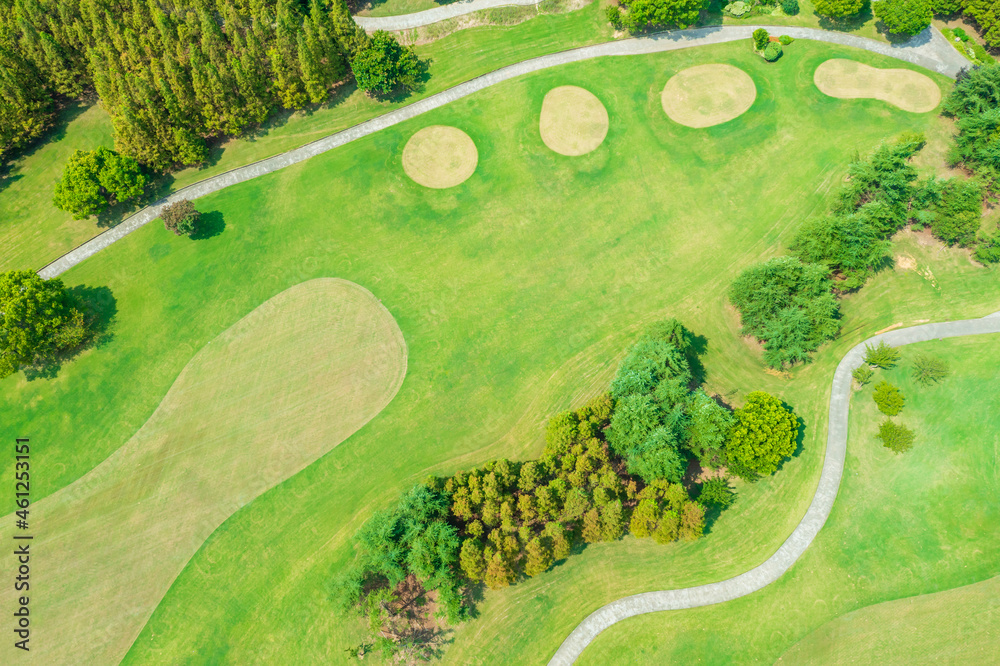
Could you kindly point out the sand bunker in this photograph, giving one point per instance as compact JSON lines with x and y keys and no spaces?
{"x":708,"y":95}
{"x":573,"y":121}
{"x":440,"y":156}
{"x":847,"y":79}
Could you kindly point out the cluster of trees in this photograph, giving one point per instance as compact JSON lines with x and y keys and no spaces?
{"x":986,"y":13}
{"x":173,"y":73}
{"x":789,"y":303}
{"x":768,"y":47}
{"x":639,"y":15}
{"x":96,"y":179}
{"x":38,"y":321}
{"x":613,"y":466}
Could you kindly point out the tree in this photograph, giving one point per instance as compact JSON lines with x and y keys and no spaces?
{"x":838,"y":9}
{"x":846,"y":244}
{"x":716,"y":492}
{"x":787,"y":305}
{"x":36,"y":320}
{"x":761,"y":39}
{"x":499,"y":573}
{"x":539,"y":557}
{"x":692,"y":521}
{"x":888,"y":398}
{"x":881,"y":355}
{"x":895,"y":437}
{"x":763,"y":436}
{"x":668,"y":528}
{"x":707,"y":425}
{"x":957,"y":211}
{"x":181,"y":217}
{"x":93,"y":180}
{"x":929,"y":369}
{"x":384,"y":65}
{"x":643,"y":14}
{"x":657,"y":457}
{"x":863,"y":374}
{"x":644,"y":518}
{"x":903,"y":17}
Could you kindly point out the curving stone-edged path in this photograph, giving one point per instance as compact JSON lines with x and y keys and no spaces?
{"x":428,"y":16}
{"x":796,"y":544}
{"x":929,"y":49}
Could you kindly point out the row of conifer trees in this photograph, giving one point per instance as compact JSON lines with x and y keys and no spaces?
{"x":171,"y":73}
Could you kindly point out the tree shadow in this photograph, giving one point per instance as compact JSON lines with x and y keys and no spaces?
{"x":100,"y":309}
{"x":210,"y":225}
{"x":697,"y":346}
{"x":67,"y":111}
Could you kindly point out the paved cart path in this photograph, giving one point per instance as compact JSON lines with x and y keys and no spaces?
{"x":796,"y":544}
{"x":428,"y":16}
{"x":929,"y":49}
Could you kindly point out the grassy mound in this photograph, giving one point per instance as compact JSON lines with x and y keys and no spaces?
{"x":440,"y":157}
{"x":909,"y":631}
{"x":270,"y":395}
{"x":708,"y":95}
{"x":848,"y":79}
{"x":573,"y":121}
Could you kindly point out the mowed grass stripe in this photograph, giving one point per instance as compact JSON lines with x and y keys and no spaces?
{"x":270,"y":395}
{"x":953,"y":626}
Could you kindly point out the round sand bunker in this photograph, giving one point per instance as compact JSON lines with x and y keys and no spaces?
{"x":708,"y":95}
{"x":440,"y":156}
{"x":847,"y":79}
{"x":573,"y":121}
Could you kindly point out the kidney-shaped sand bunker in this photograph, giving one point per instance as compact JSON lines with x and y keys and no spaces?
{"x":440,"y":156}
{"x":847,"y":79}
{"x":708,"y":95}
{"x":573,"y":121}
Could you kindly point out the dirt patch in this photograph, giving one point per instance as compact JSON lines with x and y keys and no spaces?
{"x":708,"y":95}
{"x":906,"y":262}
{"x":440,"y":156}
{"x":573,"y":121}
{"x":848,"y":79}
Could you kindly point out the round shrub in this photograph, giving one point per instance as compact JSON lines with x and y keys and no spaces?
{"x":181,"y":217}
{"x":888,"y":398}
{"x":895,"y":437}
{"x":738,"y":8}
{"x":785,"y":40}
{"x":790,"y":7}
{"x":772,"y":51}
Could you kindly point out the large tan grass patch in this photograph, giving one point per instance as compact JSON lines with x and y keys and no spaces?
{"x":573,"y":121}
{"x":440,"y":156}
{"x":847,"y":79}
{"x":708,"y":95}
{"x":267,"y":397}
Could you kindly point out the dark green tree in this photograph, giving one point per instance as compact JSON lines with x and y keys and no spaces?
{"x":384,"y":65}
{"x":37,"y":320}
{"x":903,"y":17}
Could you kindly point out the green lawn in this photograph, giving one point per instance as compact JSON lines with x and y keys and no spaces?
{"x":953,"y":626}
{"x":913,"y":524}
{"x":516,"y":293}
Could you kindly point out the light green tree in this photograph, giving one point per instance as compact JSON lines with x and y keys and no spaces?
{"x":763,"y":436}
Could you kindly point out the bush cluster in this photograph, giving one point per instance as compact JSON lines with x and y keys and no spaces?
{"x":975,"y":102}
{"x":888,"y":398}
{"x":639,"y":15}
